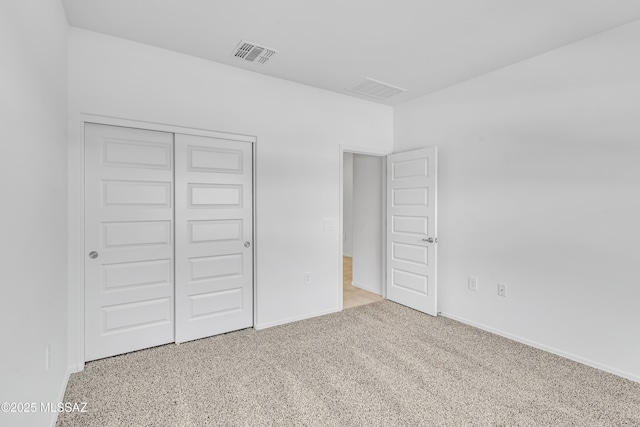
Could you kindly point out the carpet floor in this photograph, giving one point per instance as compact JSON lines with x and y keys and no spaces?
{"x":380,"y":364}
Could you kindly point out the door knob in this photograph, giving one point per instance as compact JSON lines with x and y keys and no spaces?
{"x":429,"y":240}
{"x":247,"y":244}
{"x":93,"y":254}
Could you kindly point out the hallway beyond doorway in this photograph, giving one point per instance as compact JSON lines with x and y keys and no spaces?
{"x":351,"y":295}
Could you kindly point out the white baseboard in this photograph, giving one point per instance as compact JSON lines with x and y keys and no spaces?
{"x":259,"y":326}
{"x":76,"y":368}
{"x":61,"y":395}
{"x":546,"y":348}
{"x":374,"y":291}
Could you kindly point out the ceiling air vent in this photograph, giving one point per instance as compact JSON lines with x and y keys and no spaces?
{"x":376,"y":89}
{"x":253,"y":53}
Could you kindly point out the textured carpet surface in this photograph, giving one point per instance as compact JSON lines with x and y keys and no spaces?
{"x":375,"y":365}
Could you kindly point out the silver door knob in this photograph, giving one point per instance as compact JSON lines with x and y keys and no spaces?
{"x":93,"y":254}
{"x":429,"y":240}
{"x":247,"y":244}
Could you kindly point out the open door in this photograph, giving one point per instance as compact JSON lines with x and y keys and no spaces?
{"x":411,"y":229}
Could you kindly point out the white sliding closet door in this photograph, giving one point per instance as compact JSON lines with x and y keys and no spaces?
{"x":128,"y":240}
{"x":214,"y":236}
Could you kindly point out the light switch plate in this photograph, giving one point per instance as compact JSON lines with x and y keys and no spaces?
{"x":329,"y":224}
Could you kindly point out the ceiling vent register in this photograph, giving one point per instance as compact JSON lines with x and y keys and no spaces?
{"x":252,"y":52}
{"x":376,"y":89}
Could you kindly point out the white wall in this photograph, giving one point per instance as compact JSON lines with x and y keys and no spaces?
{"x":33,"y":88}
{"x":299,"y":130}
{"x":347,"y":204}
{"x":539,"y":189}
{"x":367,"y":222}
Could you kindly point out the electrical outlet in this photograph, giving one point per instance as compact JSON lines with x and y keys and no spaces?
{"x":502,"y":289}
{"x":473,"y":283}
{"x":47,"y":357}
{"x":307,"y":278}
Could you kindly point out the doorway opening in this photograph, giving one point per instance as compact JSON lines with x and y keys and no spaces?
{"x":393,"y":226}
{"x":363,"y":222}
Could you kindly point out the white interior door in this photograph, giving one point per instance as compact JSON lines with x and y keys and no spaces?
{"x":128,"y":240}
{"x":214,"y":236}
{"x":411,"y":229}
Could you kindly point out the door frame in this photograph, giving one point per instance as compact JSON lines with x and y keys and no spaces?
{"x":369,"y":152}
{"x":75,"y":220}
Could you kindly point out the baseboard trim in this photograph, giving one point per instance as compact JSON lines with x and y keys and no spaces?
{"x":61,"y":395}
{"x":546,"y":348}
{"x":76,"y":368}
{"x":373,"y":291}
{"x":259,"y":326}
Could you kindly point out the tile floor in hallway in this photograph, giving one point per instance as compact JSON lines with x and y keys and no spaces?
{"x":352,"y":296}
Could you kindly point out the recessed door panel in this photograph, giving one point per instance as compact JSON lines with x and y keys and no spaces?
{"x":410,"y":281}
{"x":215,"y":231}
{"x":203,"y":159}
{"x":405,"y":224}
{"x":137,"y":194}
{"x":410,"y":196}
{"x":216,"y":267}
{"x":136,"y":233}
{"x":214,"y":243}
{"x":128,"y":231}
{"x":210,"y":196}
{"x":217,"y":303}
{"x":414,"y":253}
{"x":411,"y":168}
{"x":136,"y":154}
{"x":140,"y":273}
{"x":136,"y":315}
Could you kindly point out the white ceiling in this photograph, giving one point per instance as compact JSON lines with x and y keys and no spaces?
{"x":419,"y":45}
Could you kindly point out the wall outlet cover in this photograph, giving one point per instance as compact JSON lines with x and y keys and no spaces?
{"x":502,"y":289}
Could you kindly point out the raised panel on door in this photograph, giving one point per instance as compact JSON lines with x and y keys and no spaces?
{"x":129,"y":301}
{"x":214,"y":236}
{"x":411,"y":229}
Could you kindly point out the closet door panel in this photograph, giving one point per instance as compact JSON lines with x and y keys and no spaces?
{"x":214,"y":236}
{"x":128,"y":240}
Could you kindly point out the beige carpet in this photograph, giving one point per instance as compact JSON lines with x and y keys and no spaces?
{"x":375,"y":365}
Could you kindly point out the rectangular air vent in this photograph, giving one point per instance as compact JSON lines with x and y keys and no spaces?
{"x":252,"y":52}
{"x":376,"y":89}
